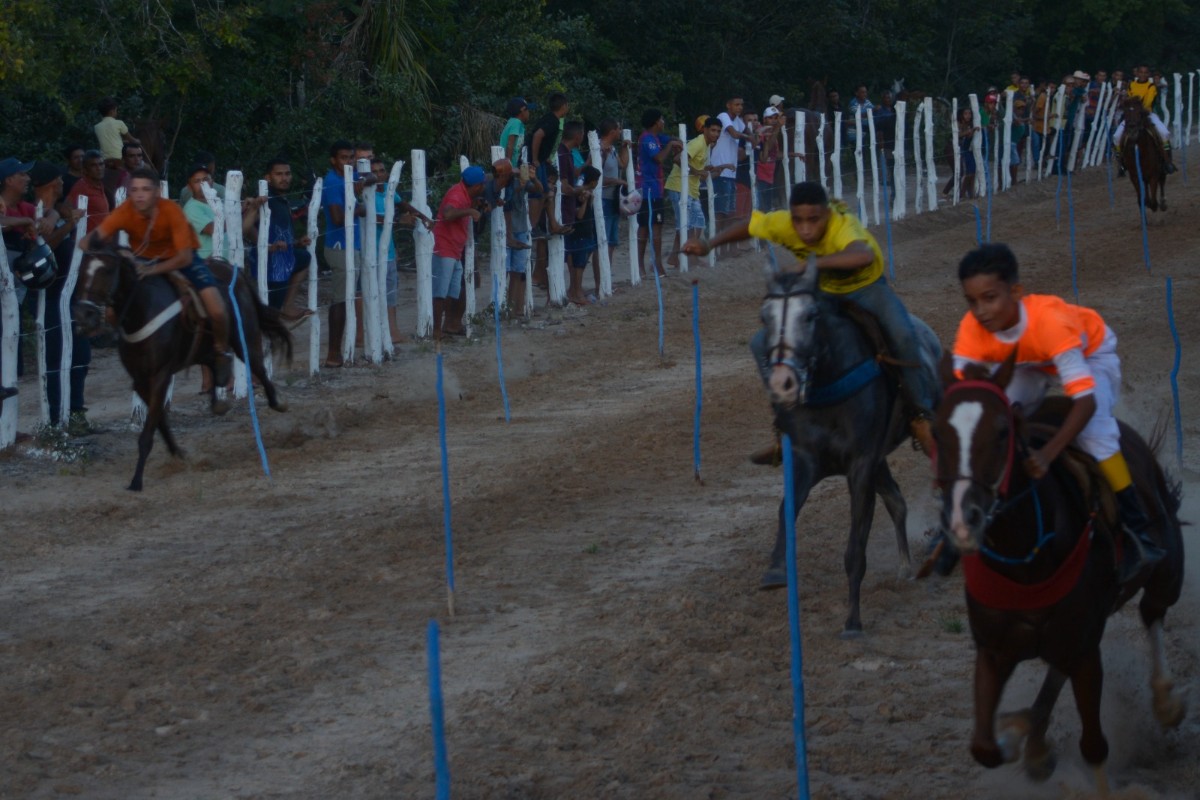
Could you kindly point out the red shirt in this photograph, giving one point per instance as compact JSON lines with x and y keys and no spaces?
{"x":97,"y":210}
{"x":450,"y":238}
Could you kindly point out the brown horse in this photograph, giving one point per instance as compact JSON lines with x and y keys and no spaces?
{"x":156,"y":340}
{"x":1040,"y":569}
{"x":1142,"y":156}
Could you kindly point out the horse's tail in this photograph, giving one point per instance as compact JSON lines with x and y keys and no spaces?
{"x":1170,"y":487}
{"x":270,"y":323}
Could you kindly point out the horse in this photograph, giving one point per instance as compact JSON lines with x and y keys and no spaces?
{"x":1140,"y":143}
{"x":156,"y":341}
{"x":841,"y":412}
{"x":1039,"y":559}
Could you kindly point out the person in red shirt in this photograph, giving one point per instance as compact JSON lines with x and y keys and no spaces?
{"x":456,"y":213}
{"x":159,"y":234}
{"x":91,"y":186}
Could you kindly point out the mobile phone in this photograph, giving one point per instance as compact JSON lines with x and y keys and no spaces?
{"x":364,"y":166}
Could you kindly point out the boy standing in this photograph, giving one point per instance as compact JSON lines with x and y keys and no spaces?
{"x":1054,"y":342}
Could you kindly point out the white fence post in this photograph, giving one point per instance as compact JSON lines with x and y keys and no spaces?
{"x":801,"y":164}
{"x":836,"y":157}
{"x":860,"y":187}
{"x":40,"y":333}
{"x":314,"y":320}
{"x":956,"y":149}
{"x":468,"y":262}
{"x":931,"y":175}
{"x":64,"y":315}
{"x":1060,"y":124}
{"x":979,"y":183}
{"x":263,"y":253}
{"x":900,"y":182}
{"x":785,"y":161}
{"x":1179,"y":140}
{"x":498,"y":255}
{"x":712,"y":217}
{"x":372,"y":344}
{"x":635,"y":270}
{"x":556,"y":249}
{"x":753,"y":194}
{"x":533,"y":244}
{"x":381,"y":256}
{"x":605,"y":287}
{"x":1006,"y":156}
{"x":1080,"y":119}
{"x":10,"y":321}
{"x":874,"y":167}
{"x":351,"y":208}
{"x":682,"y":222}
{"x":821,"y":151}
{"x":237,"y":257}
{"x":1089,"y":147}
{"x":423,"y":246}
{"x":918,"y":163}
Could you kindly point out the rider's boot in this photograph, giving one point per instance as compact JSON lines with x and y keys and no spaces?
{"x":771,"y":455}
{"x":1144,"y":552}
{"x":921,"y":426}
{"x":1116,"y":154}
{"x":1171,"y":168}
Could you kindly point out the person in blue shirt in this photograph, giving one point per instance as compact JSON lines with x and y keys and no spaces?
{"x":655,"y":149}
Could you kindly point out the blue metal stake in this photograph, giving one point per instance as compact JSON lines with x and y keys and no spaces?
{"x":441,"y":393}
{"x":437,"y":713}
{"x":1137,"y":157}
{"x":793,"y":590}
{"x":499,"y":351}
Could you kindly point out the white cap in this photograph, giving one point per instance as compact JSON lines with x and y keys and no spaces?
{"x":776,"y":99}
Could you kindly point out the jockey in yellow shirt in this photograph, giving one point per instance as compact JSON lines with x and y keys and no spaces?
{"x":1144,"y":89}
{"x":1055,"y":343}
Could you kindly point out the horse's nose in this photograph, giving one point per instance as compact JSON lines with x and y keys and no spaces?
{"x":783,"y":386}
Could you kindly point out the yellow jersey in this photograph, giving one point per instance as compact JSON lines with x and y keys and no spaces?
{"x":843,"y":230}
{"x":1145,"y":91}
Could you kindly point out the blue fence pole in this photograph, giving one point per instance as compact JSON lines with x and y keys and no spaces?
{"x":793,"y":590}
{"x":887,"y":217}
{"x":441,"y":394}
{"x":1175,"y":376}
{"x":437,"y":714}
{"x":699,"y":378}
{"x":499,"y":351}
{"x":657,"y":279}
{"x":1137,"y":159}
{"x":978,"y":225}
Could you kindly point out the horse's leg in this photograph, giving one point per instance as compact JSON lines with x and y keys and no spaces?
{"x":1030,"y":724}
{"x":254,"y":342}
{"x":1169,"y":706}
{"x":897,"y":509}
{"x":802,"y":482}
{"x":861,"y":481}
{"x":992,"y":671}
{"x":155,"y":397}
{"x":168,"y":437}
{"x":1087,"y":683}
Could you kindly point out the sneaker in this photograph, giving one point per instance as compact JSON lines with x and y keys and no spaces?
{"x":78,"y":425}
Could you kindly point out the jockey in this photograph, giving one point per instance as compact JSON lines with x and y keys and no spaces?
{"x":1145,"y":90}
{"x":159,"y":232}
{"x":832,"y":240}
{"x":1055,"y":342}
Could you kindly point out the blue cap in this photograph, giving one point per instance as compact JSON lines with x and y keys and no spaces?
{"x":473,"y":176}
{"x":11,"y":166}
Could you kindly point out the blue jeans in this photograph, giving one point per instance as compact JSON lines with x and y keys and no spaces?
{"x":879,"y":299}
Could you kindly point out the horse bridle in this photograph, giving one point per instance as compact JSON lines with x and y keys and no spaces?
{"x":778,"y":354}
{"x":112,"y":288}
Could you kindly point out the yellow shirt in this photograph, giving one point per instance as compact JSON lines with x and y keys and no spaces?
{"x":843,"y":230}
{"x":109,"y":132}
{"x":697,"y":150}
{"x":1146,"y":91}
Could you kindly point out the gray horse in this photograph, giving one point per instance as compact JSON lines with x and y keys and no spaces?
{"x":841,"y":410}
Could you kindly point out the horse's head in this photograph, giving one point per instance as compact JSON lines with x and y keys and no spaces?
{"x":1134,"y":114}
{"x":789,"y":314}
{"x":976,"y":450}
{"x":99,"y":278}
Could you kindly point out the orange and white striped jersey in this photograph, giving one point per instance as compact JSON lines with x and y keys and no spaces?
{"x":1052,"y":336}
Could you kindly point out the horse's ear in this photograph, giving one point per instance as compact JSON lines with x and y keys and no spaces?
{"x":1005,"y":373}
{"x":946,"y":370}
{"x":808,"y":278}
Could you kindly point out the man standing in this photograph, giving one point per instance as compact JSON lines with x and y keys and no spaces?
{"x":655,"y":148}
{"x":112,"y":133}
{"x":725,"y":151}
{"x":614,"y":157}
{"x":455,"y":214}
{"x":698,"y":166}
{"x":73,"y":153}
{"x":159,"y":233}
{"x":118,"y":177}
{"x":333,"y":201}
{"x":91,"y":186}
{"x":860,"y":100}
{"x":379,"y":172}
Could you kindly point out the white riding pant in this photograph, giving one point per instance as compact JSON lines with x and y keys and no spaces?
{"x":1101,"y":437}
{"x":1163,"y":133}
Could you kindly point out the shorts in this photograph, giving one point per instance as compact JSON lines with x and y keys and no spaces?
{"x":648,"y":207}
{"x":447,"y":277}
{"x":725,"y":195}
{"x":335,"y":257}
{"x":612,"y":219}
{"x":518,"y":260}
{"x":198,"y":274}
{"x":694,"y":209}
{"x":580,"y":247}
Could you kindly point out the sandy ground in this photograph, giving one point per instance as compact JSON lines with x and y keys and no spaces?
{"x":220,"y":635}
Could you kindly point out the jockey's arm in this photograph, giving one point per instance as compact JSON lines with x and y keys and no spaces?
{"x":738,"y":233}
{"x":1082,"y":409}
{"x":178,"y":261}
{"x":855,"y":255}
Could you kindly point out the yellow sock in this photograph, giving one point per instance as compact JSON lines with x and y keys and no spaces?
{"x":1116,"y":471}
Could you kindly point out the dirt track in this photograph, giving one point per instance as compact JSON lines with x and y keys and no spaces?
{"x":219,"y":636}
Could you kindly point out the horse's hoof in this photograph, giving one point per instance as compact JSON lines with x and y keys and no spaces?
{"x":988,"y":755}
{"x":1012,"y":730}
{"x":850,"y":634}
{"x":1169,"y":707}
{"x":280,"y":406}
{"x":220,"y":407}
{"x":1039,"y":768}
{"x":773,"y":579}
{"x":904,"y":572}
{"x":133,"y":487}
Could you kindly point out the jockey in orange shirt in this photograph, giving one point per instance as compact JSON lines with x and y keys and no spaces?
{"x":1054,"y":342}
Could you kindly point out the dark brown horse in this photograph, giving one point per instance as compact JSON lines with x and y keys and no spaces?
{"x":1142,"y":156}
{"x":156,"y":339}
{"x":1040,"y":569}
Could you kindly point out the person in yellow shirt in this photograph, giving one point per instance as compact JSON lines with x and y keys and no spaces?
{"x":1145,"y":90}
{"x":698,"y":150}
{"x":830,"y":239}
{"x":1055,"y":343}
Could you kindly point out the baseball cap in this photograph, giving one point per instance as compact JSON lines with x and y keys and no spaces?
{"x":473,"y":176}
{"x":43,"y":172}
{"x":11,"y":166}
{"x":515,"y":105}
{"x":775,"y":100}
{"x":194,"y":168}
{"x":991,"y":97}
{"x":1081,"y":75}
{"x":771,"y":111}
